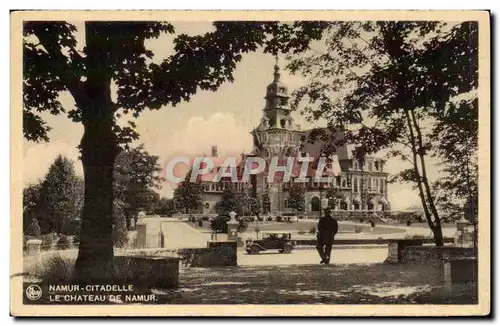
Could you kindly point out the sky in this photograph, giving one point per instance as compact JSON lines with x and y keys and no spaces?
{"x":223,"y":118}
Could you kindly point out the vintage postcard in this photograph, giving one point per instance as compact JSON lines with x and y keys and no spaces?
{"x":328,"y":163}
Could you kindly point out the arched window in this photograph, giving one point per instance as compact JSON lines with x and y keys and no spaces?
{"x":315,"y":204}
{"x":370,"y":167}
{"x":356,"y":206}
{"x":286,"y":203}
{"x":343,"y":206}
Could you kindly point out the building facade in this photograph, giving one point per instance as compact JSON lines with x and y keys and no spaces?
{"x":359,"y":187}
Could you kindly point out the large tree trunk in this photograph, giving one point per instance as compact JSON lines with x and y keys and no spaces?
{"x":98,"y":149}
{"x":95,"y":255}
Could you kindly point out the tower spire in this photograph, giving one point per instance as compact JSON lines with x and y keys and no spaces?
{"x":276,"y":69}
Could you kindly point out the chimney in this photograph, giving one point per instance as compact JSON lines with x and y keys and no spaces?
{"x":214,"y":151}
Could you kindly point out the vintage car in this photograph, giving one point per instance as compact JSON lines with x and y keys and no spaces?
{"x":281,"y":241}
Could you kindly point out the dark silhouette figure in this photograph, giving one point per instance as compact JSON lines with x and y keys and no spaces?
{"x":327,"y":228}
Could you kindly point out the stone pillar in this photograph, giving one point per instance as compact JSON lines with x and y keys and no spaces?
{"x":147,"y":237}
{"x":141,"y":238}
{"x":462,"y":235}
{"x":232,"y":228}
{"x":33,"y":248}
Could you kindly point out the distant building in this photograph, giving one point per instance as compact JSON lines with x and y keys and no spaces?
{"x":359,"y":188}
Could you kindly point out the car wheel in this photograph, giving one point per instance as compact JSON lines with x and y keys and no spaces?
{"x":254,"y":250}
{"x":287,"y":249}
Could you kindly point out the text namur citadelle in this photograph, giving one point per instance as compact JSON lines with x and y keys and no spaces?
{"x":97,"y":293}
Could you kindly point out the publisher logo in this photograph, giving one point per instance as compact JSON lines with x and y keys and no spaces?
{"x":33,"y":292}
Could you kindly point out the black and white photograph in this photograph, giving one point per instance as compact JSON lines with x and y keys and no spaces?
{"x":317,"y":159}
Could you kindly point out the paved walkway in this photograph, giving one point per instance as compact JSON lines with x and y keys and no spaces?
{"x":340,"y":255}
{"x":177,"y":234}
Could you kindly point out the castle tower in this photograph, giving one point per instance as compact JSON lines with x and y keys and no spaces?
{"x":276,"y":136}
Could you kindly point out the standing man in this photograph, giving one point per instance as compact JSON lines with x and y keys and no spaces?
{"x":327,"y":228}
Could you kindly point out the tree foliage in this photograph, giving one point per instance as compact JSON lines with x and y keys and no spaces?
{"x":33,"y":229}
{"x":188,"y":194}
{"x":296,"y":197}
{"x":227,"y":203}
{"x":31,"y":204}
{"x":386,"y":84}
{"x":164,"y":206}
{"x":254,"y":206}
{"x":266,"y":203}
{"x":61,"y":196}
{"x":137,"y":175}
{"x":457,"y":138}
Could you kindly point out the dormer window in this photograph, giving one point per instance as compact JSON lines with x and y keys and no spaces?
{"x":282,"y":89}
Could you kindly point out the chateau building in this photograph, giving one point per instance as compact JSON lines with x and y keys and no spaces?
{"x":359,"y":188}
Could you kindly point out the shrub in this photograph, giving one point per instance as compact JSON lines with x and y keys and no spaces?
{"x":302,"y":231}
{"x":301,"y":217}
{"x":312,"y":230}
{"x":192,"y":219}
{"x":200,"y":223}
{"x":361,"y":220}
{"x":358,"y":229}
{"x":418,"y":236}
{"x":64,"y":243}
{"x":48,"y":241}
{"x":408,"y":223}
{"x":269,"y":218}
{"x":33,"y":229}
{"x":219,"y":224}
{"x":242,"y":226}
{"x":279,"y":218}
{"x":252,"y":219}
{"x":54,"y":269}
{"x":119,"y":235}
{"x":372,"y":224}
{"x":260,"y":219}
{"x":205,"y":218}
